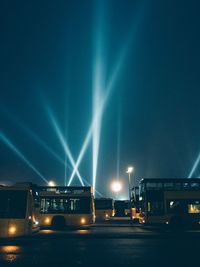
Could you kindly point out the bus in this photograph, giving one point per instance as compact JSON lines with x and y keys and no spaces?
{"x":18,"y":216}
{"x":122,"y":208}
{"x":61,"y":206}
{"x":173,"y":202}
{"x":135,"y":203}
{"x":104,"y":209}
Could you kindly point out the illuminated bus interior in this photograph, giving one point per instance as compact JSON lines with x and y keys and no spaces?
{"x":70,"y":205}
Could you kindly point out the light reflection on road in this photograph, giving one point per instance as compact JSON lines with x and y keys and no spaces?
{"x":83,"y":231}
{"x":10,"y":253}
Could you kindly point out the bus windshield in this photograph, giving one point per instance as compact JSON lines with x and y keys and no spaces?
{"x":68,"y":205}
{"x":13,"y":204}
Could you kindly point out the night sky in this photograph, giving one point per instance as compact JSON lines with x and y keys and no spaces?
{"x":151,"y":120}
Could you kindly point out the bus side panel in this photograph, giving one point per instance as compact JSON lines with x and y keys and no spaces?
{"x":4,"y":223}
{"x":12,"y":227}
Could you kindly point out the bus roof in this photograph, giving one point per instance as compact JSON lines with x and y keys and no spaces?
{"x":170,"y":180}
{"x":64,"y":190}
{"x":18,"y":186}
{"x":104,"y":198}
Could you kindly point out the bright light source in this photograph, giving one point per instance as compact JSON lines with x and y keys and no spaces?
{"x":12,"y":230}
{"x":116,"y":186}
{"x":47,"y":220}
{"x":130,"y":169}
{"x":51,"y":183}
{"x":83,"y":220}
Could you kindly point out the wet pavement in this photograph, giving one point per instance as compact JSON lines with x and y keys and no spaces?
{"x":113,"y":244}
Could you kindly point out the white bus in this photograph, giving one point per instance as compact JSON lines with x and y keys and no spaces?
{"x":17,"y":211}
{"x":104,"y":208}
{"x":62,"y":206}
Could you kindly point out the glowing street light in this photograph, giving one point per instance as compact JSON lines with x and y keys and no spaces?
{"x":116,"y":186}
{"x":129,"y":171}
{"x":51,"y":183}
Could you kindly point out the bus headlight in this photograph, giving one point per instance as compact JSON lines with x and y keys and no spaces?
{"x":107,"y":215}
{"x":83,"y":220}
{"x":47,"y":220}
{"x":12,"y":230}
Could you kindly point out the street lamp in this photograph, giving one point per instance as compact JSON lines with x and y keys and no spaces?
{"x":129,"y":171}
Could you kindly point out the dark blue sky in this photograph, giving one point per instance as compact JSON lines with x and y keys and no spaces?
{"x":47,"y":55}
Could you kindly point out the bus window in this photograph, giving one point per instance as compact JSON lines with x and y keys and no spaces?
{"x":155,"y":208}
{"x":154,"y":186}
{"x":195,"y":186}
{"x":168,"y":186}
{"x":194,"y":207}
{"x":13,"y":204}
{"x":176,"y":206}
{"x":65,"y":205}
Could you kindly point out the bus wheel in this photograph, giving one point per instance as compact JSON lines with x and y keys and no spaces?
{"x":58,"y":222}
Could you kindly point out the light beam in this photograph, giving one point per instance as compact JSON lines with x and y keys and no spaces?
{"x":63,"y":143}
{"x":18,"y":152}
{"x":32,"y":134}
{"x":194,"y":166}
{"x":107,"y":95}
{"x":99,"y":113}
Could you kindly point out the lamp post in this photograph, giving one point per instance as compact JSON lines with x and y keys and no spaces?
{"x":129,"y":171}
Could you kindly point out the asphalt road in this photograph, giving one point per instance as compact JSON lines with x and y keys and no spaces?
{"x":103,"y":245}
